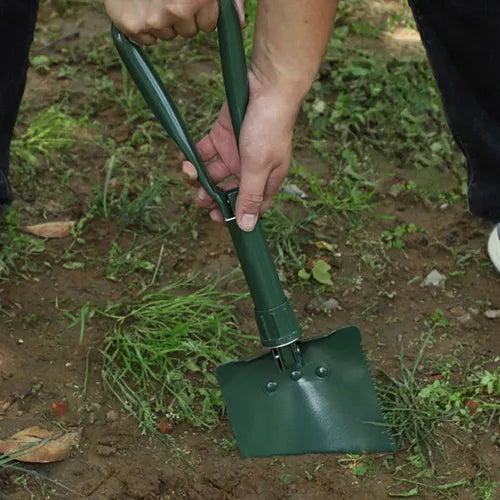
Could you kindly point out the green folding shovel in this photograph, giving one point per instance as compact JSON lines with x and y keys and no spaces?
{"x":302,"y":396}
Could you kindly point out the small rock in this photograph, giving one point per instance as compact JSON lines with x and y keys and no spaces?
{"x":474,"y":311}
{"x":465,"y":318}
{"x":396,"y":189}
{"x":492,"y":313}
{"x":457,"y":311}
{"x":105,"y":451}
{"x":294,"y":190}
{"x":112,"y":416}
{"x":321,"y":304}
{"x":435,"y":279}
{"x":19,"y":413}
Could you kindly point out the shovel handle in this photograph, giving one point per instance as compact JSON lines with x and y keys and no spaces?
{"x":151,"y":87}
{"x":275,"y":316}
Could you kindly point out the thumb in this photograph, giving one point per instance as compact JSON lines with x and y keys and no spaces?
{"x":240,"y":9}
{"x":250,"y":197}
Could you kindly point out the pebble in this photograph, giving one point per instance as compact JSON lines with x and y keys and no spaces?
{"x":492,"y":313}
{"x":434,"y":279}
{"x":321,"y":304}
{"x":294,"y":190}
{"x":105,"y":451}
{"x":112,"y":416}
{"x":465,"y":318}
{"x":19,"y":413}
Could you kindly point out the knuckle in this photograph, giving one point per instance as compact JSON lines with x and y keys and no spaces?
{"x":155,"y":22}
{"x":252,"y":200}
{"x":189,"y":32}
{"x":133,"y":28}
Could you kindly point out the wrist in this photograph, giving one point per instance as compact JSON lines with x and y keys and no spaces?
{"x":283,"y":96}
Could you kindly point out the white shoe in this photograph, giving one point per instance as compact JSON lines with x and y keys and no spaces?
{"x":494,"y":247}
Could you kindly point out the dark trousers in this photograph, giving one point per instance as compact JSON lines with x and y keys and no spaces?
{"x":462,"y":40}
{"x":17,"y":22}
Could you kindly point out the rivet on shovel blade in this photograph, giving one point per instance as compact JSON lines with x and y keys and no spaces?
{"x":296,"y":374}
{"x":271,"y":386}
{"x":322,"y":371}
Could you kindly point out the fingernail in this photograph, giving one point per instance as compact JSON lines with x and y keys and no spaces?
{"x":189,"y":170}
{"x":202,"y":194}
{"x":247,"y":222}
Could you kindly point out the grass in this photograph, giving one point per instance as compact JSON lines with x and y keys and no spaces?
{"x":50,"y":132}
{"x":417,"y":408}
{"x":160,"y":357}
{"x":16,"y":249}
{"x":369,"y":116}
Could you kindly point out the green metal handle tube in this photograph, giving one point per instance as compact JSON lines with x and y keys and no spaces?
{"x":151,"y":87}
{"x":276,"y":320}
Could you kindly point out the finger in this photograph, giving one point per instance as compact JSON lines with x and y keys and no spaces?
{"x":203,"y":199}
{"x":167,"y":33}
{"x":189,"y":173}
{"x":216,"y":215}
{"x":273,"y":185}
{"x":206,"y":148}
{"x":143,"y":38}
{"x":186,"y":28}
{"x":240,"y":9}
{"x":218,"y":171}
{"x":251,"y":196}
{"x":207,"y":17}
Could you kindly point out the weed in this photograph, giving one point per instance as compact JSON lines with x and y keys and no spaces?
{"x":127,"y":200}
{"x":395,"y":238}
{"x":50,"y":132}
{"x":122,"y":263}
{"x":293,"y":232}
{"x":417,"y":408}
{"x":160,"y":357}
{"x":16,"y":248}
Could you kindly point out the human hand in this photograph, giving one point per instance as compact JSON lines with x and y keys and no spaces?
{"x":144,"y":21}
{"x":265,"y":149}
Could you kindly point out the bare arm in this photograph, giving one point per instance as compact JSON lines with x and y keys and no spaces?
{"x":290,"y":40}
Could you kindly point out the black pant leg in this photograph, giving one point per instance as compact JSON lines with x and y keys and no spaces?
{"x":462,"y":40}
{"x":17,"y":23}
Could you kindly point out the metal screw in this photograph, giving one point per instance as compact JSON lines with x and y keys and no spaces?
{"x":296,"y":374}
{"x":272,"y":386}
{"x":322,"y":371}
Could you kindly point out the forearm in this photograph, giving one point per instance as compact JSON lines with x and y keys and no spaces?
{"x":290,"y":40}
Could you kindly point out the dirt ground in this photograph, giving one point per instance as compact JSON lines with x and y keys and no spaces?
{"x":42,"y":361}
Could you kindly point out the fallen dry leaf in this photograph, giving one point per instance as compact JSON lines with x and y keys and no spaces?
{"x":60,"y":229}
{"x":164,"y":428}
{"x":4,"y":405}
{"x":37,"y":445}
{"x":58,"y":408}
{"x":472,"y":405}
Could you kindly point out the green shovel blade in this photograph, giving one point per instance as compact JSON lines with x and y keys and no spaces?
{"x":328,"y":405}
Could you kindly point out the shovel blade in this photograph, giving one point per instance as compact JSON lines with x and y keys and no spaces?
{"x":330,"y":406}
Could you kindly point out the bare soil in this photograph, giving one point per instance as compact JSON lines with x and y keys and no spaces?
{"x":42,"y":362}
